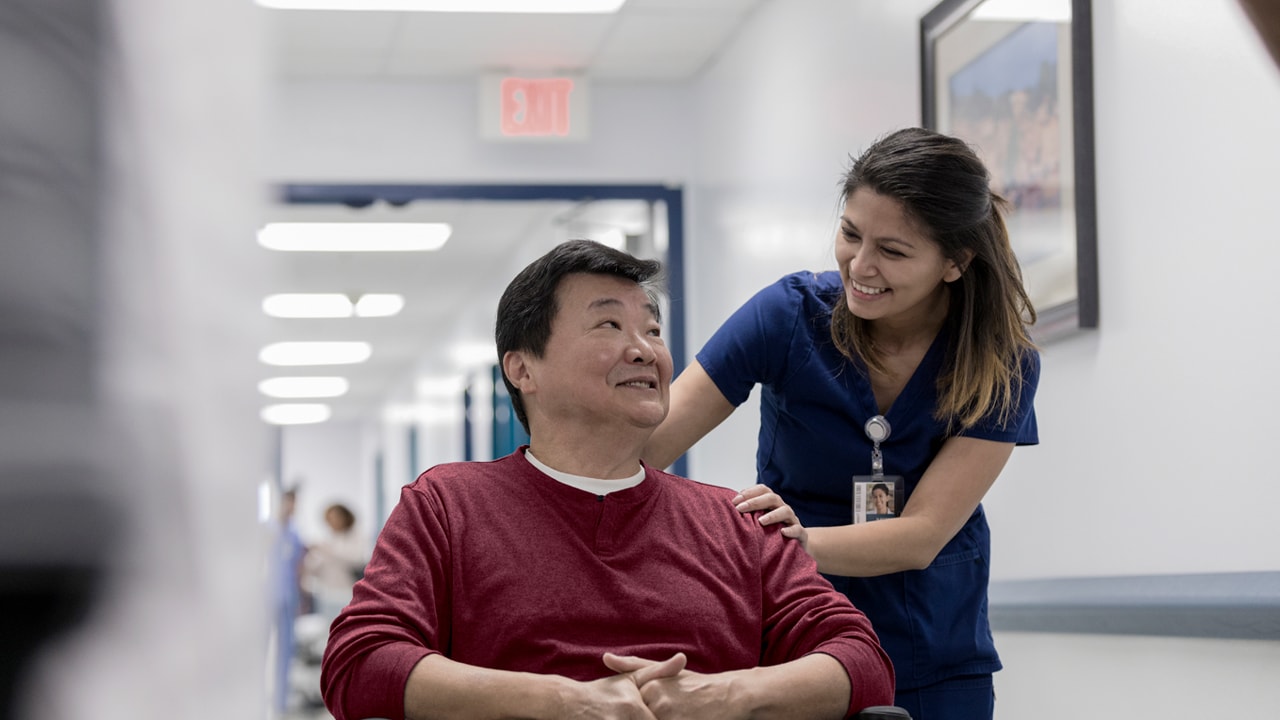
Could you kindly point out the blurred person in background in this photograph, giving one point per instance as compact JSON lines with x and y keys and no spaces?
{"x":335,"y":563}
{"x":287,"y":558}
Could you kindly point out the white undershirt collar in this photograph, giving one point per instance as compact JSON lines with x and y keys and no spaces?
{"x":595,"y":486}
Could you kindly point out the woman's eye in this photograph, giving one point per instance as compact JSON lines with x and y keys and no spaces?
{"x":893,"y":253}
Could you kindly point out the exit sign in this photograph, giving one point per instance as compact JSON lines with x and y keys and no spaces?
{"x":533,"y":108}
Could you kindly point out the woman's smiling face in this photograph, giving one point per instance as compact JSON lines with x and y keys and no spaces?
{"x":890,"y":268}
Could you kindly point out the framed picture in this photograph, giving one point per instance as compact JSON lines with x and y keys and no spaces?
{"x":1014,"y":78}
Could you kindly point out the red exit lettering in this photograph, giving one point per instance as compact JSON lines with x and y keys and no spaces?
{"x":535,"y":106}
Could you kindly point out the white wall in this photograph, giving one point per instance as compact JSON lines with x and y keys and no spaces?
{"x":1182,"y":370}
{"x":806,"y":84}
{"x":1148,"y":425}
{"x":325,"y":463}
{"x":428,"y":132}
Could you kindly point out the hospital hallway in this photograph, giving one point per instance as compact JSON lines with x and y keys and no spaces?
{"x":251,"y":253}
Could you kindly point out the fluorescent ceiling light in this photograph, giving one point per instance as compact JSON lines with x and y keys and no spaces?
{"x":315,"y":353}
{"x":308,"y":305}
{"x":304,"y":387}
{"x":441,"y":387}
{"x":473,"y":354}
{"x":614,"y":238}
{"x":296,"y":413}
{"x":471,"y":6}
{"x":426,"y":414}
{"x":379,"y":305}
{"x":354,"y":237}
{"x":331,"y":305}
{"x":264,"y":501}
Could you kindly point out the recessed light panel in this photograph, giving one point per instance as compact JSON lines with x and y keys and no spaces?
{"x":296,"y":413}
{"x":379,"y":305}
{"x":354,"y":237}
{"x":474,"y":354}
{"x":304,"y":387}
{"x":332,"y":305}
{"x":441,"y":387}
{"x":315,"y":353}
{"x":307,"y":305}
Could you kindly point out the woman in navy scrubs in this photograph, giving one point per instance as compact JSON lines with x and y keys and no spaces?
{"x":923,"y":326}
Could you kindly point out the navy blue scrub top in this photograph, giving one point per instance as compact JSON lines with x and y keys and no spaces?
{"x":813,"y":405}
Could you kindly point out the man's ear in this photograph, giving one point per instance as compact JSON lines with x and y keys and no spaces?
{"x":517,"y":370}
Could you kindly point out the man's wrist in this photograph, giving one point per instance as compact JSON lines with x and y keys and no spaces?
{"x":548,"y":697}
{"x":742,"y":692}
{"x":788,"y":690}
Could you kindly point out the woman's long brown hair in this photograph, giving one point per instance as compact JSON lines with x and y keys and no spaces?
{"x":944,"y":188}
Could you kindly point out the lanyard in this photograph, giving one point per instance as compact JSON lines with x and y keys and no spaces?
{"x":877,"y":430}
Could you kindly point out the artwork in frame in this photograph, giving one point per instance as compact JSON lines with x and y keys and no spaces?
{"x":1014,"y":79}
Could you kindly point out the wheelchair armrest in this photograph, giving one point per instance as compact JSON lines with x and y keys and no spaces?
{"x":883,"y":712}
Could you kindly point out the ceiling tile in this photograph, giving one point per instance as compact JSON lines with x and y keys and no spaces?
{"x":469,"y":44}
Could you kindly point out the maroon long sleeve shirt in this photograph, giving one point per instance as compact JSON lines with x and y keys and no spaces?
{"x":498,"y":565}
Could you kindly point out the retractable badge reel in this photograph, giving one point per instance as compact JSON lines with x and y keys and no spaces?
{"x":876,"y":496}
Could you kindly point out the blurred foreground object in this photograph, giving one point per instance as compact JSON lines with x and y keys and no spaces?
{"x":1265,"y":15}
{"x":57,"y":527}
{"x":131,"y":561}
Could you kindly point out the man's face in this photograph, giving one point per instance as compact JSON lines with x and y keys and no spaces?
{"x":605,"y":363}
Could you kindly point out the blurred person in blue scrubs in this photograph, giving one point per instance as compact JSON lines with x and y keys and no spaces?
{"x":287,"y":558}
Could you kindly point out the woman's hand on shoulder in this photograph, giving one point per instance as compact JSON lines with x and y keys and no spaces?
{"x":759,"y":498}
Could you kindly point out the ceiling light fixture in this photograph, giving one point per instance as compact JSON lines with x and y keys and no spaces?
{"x":474,"y":354}
{"x":315,"y":353}
{"x":614,"y":238}
{"x":332,"y":305}
{"x":441,"y":387}
{"x":354,"y":237}
{"x":379,"y":305}
{"x":304,"y":387}
{"x":470,"y":6}
{"x":296,"y":413}
{"x":308,"y":305}
{"x":424,"y":413}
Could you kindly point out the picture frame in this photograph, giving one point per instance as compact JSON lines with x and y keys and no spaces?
{"x":1014,"y":79}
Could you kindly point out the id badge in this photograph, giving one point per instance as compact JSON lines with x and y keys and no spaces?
{"x":877,"y":497}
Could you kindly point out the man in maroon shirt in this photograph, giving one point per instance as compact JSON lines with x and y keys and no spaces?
{"x":570,"y":580}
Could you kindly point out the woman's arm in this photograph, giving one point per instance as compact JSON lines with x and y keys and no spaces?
{"x":956,"y":481}
{"x":697,"y":407}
